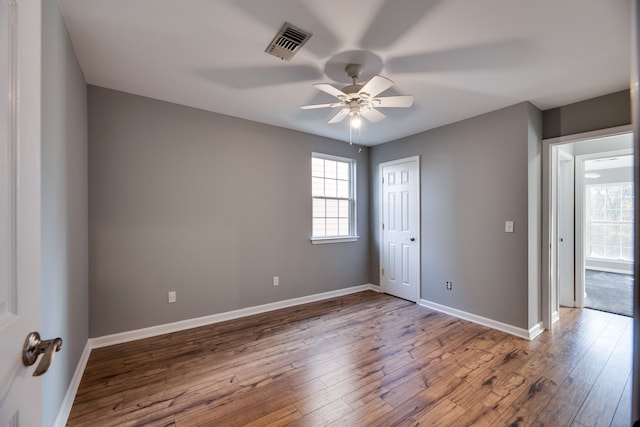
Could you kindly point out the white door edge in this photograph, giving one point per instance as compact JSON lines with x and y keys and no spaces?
{"x":566,"y":185}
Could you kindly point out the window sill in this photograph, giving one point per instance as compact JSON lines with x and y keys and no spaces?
{"x":323,"y":240}
{"x":594,"y":261}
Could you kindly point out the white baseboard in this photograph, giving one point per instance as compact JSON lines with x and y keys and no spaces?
{"x":70,"y":395}
{"x":484,"y":321}
{"x":167,"y":328}
{"x":535,"y":331}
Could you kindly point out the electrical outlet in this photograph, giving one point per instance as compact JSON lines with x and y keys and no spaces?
{"x":171,"y":297}
{"x":449,"y":285}
{"x":276,"y":281}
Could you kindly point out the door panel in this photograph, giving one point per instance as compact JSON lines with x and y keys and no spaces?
{"x":20,"y":53}
{"x":566,"y":242}
{"x":390,"y":270}
{"x":400,"y":257}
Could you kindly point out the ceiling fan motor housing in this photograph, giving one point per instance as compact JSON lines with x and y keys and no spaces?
{"x":353,"y":70}
{"x":354,"y":107}
{"x":352,"y":90}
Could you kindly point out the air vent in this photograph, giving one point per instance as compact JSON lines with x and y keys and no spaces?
{"x":288,"y":41}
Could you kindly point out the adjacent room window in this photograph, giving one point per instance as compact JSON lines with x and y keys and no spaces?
{"x":333,"y":194}
{"x":610,"y":221}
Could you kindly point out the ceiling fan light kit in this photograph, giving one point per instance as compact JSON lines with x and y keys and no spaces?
{"x":360,"y":100}
{"x":356,"y":121}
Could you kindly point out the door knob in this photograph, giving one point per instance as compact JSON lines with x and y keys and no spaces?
{"x":413,"y":239}
{"x":34,"y":347}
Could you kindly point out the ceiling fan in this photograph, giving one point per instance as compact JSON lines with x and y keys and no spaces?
{"x":358,"y":100}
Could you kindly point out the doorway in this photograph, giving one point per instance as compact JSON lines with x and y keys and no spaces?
{"x":400,"y":228}
{"x":589,"y":183}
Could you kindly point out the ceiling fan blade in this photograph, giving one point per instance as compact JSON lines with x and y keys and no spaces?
{"x":327,"y":88}
{"x":372,"y":115}
{"x":313,"y":106}
{"x":376,"y":85}
{"x":340,"y":116}
{"x":393,"y":101}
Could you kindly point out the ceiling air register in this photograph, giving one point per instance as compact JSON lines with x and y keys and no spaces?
{"x":288,"y":41}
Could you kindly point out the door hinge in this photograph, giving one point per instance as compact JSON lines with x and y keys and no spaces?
{"x":383,"y":226}
{"x":383,"y":179}
{"x":382,"y":271}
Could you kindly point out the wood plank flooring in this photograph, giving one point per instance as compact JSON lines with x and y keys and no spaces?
{"x":365,"y":359}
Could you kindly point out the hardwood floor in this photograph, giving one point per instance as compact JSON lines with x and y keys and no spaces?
{"x":366,"y":359}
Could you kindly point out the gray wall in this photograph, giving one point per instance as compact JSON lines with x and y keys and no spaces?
{"x":64,"y":207}
{"x":209,"y":206}
{"x":612,"y":176}
{"x":473,"y":178}
{"x":593,"y":114}
{"x":601,"y":145}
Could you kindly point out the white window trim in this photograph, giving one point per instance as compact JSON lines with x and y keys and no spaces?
{"x":354,"y":205}
{"x":588,"y":223}
{"x":323,"y":240}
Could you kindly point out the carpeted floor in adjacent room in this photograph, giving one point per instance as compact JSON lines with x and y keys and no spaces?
{"x":612,"y":292}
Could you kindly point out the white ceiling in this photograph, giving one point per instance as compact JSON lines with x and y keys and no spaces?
{"x":459,"y":58}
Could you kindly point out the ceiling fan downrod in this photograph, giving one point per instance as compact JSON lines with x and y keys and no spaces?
{"x":353,"y":71}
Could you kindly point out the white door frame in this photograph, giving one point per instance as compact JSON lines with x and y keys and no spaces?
{"x":416,"y":160}
{"x":549,"y":215}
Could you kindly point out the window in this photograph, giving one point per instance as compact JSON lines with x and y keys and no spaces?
{"x":610,"y":221}
{"x":333,"y":195}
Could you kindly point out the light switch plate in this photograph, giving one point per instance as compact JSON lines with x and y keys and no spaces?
{"x":508,"y":226}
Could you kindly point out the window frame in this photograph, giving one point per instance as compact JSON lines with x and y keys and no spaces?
{"x":353,"y":225}
{"x":590,"y":223}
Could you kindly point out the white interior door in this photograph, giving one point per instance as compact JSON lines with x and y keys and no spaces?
{"x":565,"y":236}
{"x":20,"y":58}
{"x":400,"y":251}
